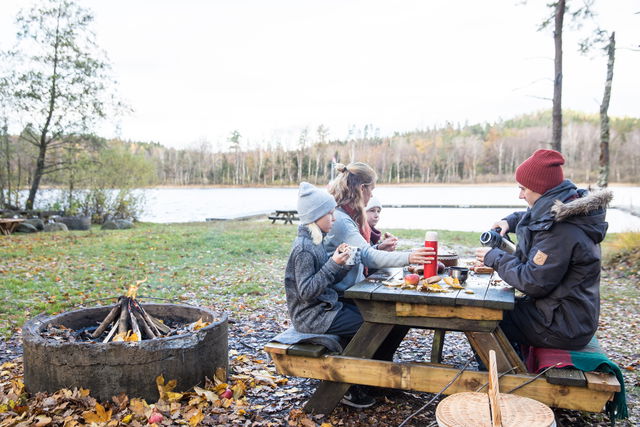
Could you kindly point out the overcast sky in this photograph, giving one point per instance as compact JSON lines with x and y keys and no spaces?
{"x":195,"y":70}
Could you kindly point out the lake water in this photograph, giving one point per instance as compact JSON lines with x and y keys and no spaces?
{"x":165,"y":205}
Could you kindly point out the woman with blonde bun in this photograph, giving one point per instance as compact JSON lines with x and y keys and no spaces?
{"x":352,"y":189}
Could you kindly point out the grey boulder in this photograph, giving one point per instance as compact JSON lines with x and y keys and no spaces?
{"x":55,"y":226}
{"x":25,"y":227}
{"x":117,"y":224}
{"x":76,"y":222}
{"x":36,"y":222}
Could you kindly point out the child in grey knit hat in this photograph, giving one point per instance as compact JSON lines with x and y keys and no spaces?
{"x":312,"y":302}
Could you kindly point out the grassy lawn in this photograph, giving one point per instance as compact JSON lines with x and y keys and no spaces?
{"x":231,"y":265}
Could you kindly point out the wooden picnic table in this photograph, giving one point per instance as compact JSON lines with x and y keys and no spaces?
{"x":390,"y":312}
{"x":7,"y":225}
{"x":288,"y":216}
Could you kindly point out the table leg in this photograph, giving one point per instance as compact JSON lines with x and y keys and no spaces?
{"x":364,"y":344}
{"x":436,"y":346}
{"x":506,"y":357}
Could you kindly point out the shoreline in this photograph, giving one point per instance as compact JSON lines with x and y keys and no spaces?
{"x":407,"y":185}
{"x":382,"y":185}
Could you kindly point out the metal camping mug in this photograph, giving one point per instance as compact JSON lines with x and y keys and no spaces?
{"x":460,"y":273}
{"x":353,"y":250}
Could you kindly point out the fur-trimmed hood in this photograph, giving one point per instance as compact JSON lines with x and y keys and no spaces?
{"x":590,"y":202}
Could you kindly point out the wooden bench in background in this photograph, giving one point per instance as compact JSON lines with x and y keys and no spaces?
{"x":282,"y":215}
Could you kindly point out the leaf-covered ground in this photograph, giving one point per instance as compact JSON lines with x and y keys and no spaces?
{"x":235,"y":267}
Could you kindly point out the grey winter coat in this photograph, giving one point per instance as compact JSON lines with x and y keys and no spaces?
{"x":346,"y":230}
{"x":557,"y":265}
{"x":308,"y":279}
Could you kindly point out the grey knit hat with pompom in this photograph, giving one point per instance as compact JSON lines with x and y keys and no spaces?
{"x":313,"y":203}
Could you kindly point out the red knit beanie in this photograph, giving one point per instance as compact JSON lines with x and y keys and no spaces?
{"x":542,"y":171}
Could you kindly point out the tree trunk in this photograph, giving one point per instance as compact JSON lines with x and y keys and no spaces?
{"x":603,"y":176}
{"x":37,"y":174}
{"x":556,"y":141}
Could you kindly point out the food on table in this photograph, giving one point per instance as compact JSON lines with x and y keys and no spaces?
{"x":482,"y":269}
{"x":417,"y":269}
{"x":453,"y":282}
{"x":448,"y":258}
{"x":433,"y":287}
{"x":393,"y":283}
{"x":411,"y":279}
{"x":432,"y":279}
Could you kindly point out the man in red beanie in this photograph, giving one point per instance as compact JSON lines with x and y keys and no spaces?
{"x":556,"y":264}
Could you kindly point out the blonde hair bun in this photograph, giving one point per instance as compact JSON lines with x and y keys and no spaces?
{"x":340,"y":167}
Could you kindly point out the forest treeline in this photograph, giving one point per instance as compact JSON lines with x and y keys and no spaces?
{"x":448,"y":154}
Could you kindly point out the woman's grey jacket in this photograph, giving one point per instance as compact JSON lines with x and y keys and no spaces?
{"x":346,"y":230}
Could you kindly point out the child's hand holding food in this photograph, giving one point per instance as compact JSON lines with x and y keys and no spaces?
{"x":341,"y":255}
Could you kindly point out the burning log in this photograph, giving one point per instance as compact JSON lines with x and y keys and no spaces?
{"x":131,"y":321}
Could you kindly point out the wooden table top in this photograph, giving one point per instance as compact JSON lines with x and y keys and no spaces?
{"x":484,"y":294}
{"x":10,"y":220}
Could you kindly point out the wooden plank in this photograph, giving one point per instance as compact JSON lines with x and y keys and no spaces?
{"x":436,"y":345}
{"x":422,"y":310}
{"x":362,"y":290}
{"x":511,"y":354}
{"x":310,"y":350}
{"x":482,"y":343}
{"x":384,"y":312}
{"x":566,"y":376}
{"x":387,"y":293}
{"x":501,"y":297}
{"x":601,"y":381}
{"x":432,"y":379}
{"x":479,"y":289}
{"x":384,"y":274}
{"x":276,"y":347}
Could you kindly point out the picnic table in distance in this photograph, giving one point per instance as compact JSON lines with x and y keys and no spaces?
{"x":7,"y":225}
{"x":288,"y":216}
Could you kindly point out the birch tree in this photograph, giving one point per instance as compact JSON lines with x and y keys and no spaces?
{"x":61,"y":84}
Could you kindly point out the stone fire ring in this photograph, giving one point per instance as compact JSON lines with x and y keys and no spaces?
{"x":108,"y":369}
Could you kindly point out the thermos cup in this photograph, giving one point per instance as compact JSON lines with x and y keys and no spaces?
{"x":431,"y":241}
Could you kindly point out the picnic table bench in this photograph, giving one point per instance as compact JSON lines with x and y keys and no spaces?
{"x":475,"y":310}
{"x":288,"y":216}
{"x":7,"y":225}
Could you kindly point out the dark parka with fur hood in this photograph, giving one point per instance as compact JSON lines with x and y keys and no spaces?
{"x":557,"y":266}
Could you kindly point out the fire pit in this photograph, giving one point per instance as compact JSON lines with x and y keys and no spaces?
{"x":108,"y":369}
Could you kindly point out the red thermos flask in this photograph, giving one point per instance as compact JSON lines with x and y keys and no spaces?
{"x":431,"y":241}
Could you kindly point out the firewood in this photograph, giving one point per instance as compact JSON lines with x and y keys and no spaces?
{"x":124,"y":314}
{"x":161,"y":326}
{"x":107,"y":320}
{"x":145,"y":326}
{"x":111,"y":332}
{"x":134,"y":322}
{"x":148,"y":320}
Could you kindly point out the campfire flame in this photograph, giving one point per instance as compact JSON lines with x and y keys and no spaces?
{"x":133,"y":289}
